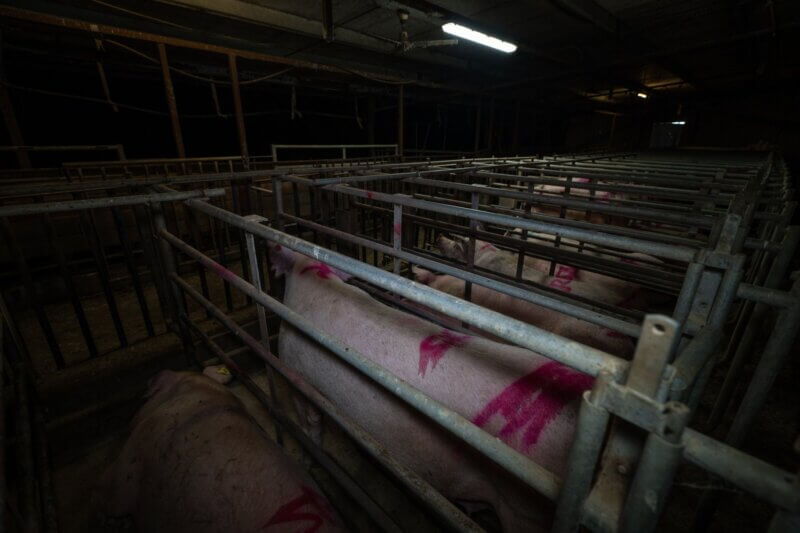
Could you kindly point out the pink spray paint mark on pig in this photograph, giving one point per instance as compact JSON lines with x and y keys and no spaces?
{"x":370,"y":195}
{"x":563,"y":278}
{"x":433,"y":348}
{"x":398,"y":228}
{"x":525,"y":410}
{"x":316,"y":512}
{"x":487,"y":246}
{"x":324,"y":271}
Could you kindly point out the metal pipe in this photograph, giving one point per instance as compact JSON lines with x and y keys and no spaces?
{"x":570,"y":353}
{"x":583,"y":456}
{"x":80,"y":205}
{"x":745,"y":471}
{"x":537,"y":298}
{"x":514,"y":462}
{"x":285,"y":422}
{"x":679,"y":253}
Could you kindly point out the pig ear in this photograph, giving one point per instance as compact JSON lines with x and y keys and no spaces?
{"x":281,"y":259}
{"x":422,"y":275}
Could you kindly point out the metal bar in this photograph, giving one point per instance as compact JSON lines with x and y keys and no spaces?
{"x":282,"y":421}
{"x":583,"y":358}
{"x":584,"y":453}
{"x":397,"y":235}
{"x":109,"y":201}
{"x":400,"y":121}
{"x":514,"y":462}
{"x":119,"y":222}
{"x":437,"y":503}
{"x":745,"y":471}
{"x":30,"y":292}
{"x":679,"y":253}
{"x":169,"y":92}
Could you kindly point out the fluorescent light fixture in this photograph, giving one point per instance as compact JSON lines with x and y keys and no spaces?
{"x":478,"y":37}
{"x":679,"y":122}
{"x":642,"y":95}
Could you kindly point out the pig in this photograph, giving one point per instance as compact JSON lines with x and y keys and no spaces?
{"x":196,"y":462}
{"x":569,"y":327}
{"x":565,"y":279}
{"x":577,"y":192}
{"x":526,"y":400}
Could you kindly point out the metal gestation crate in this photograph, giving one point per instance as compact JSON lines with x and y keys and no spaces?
{"x":718,"y":225}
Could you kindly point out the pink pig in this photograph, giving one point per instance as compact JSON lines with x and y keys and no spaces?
{"x":196,"y":462}
{"x":526,"y":400}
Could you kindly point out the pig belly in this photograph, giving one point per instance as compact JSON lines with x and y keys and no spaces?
{"x":196,"y":462}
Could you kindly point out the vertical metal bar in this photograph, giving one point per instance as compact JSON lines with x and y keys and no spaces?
{"x":397,"y":234}
{"x":584,"y":453}
{"x":119,"y":222}
{"x":177,"y":308}
{"x":221,"y":254}
{"x":61,"y":259}
{"x":277,"y":193}
{"x":237,"y":107}
{"x":237,"y":208}
{"x":194,"y":231}
{"x":24,"y":454}
{"x":691,"y":281}
{"x":262,"y":315}
{"x":90,"y":229}
{"x":473,"y":226}
{"x":30,"y":293}
{"x":776,"y":275}
{"x":169,"y":91}
{"x":779,"y":346}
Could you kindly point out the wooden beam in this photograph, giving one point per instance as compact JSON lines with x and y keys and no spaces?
{"x":169,"y":91}
{"x":237,"y":106}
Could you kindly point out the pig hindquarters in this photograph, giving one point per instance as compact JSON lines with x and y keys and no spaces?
{"x":196,"y":462}
{"x":524,"y":399}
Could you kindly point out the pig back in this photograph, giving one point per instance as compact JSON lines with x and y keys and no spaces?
{"x":195,"y":461}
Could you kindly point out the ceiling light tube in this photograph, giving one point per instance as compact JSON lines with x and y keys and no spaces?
{"x":642,"y":95}
{"x":679,"y":122}
{"x":478,"y":37}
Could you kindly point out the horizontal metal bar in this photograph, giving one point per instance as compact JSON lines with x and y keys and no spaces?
{"x":622,"y":326}
{"x":745,"y":471}
{"x":410,"y":479}
{"x":589,"y":205}
{"x":773,"y":297}
{"x":679,"y":253}
{"x":588,"y":360}
{"x":514,"y":462}
{"x":108,"y":201}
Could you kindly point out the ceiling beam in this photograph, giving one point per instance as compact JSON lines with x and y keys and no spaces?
{"x":96,"y":23}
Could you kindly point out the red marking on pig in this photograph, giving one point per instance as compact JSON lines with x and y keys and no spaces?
{"x":563,"y":278}
{"x":614,"y":334}
{"x":324,"y":271}
{"x":525,"y":410}
{"x":370,"y":195}
{"x":397,"y":228}
{"x":487,"y":246}
{"x":432,"y":348}
{"x":317,"y":512}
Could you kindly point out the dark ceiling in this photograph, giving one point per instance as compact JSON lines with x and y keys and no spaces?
{"x":597,"y":51}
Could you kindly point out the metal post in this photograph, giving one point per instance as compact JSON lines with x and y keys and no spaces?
{"x":169,"y":90}
{"x":397,"y":235}
{"x":277,"y":193}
